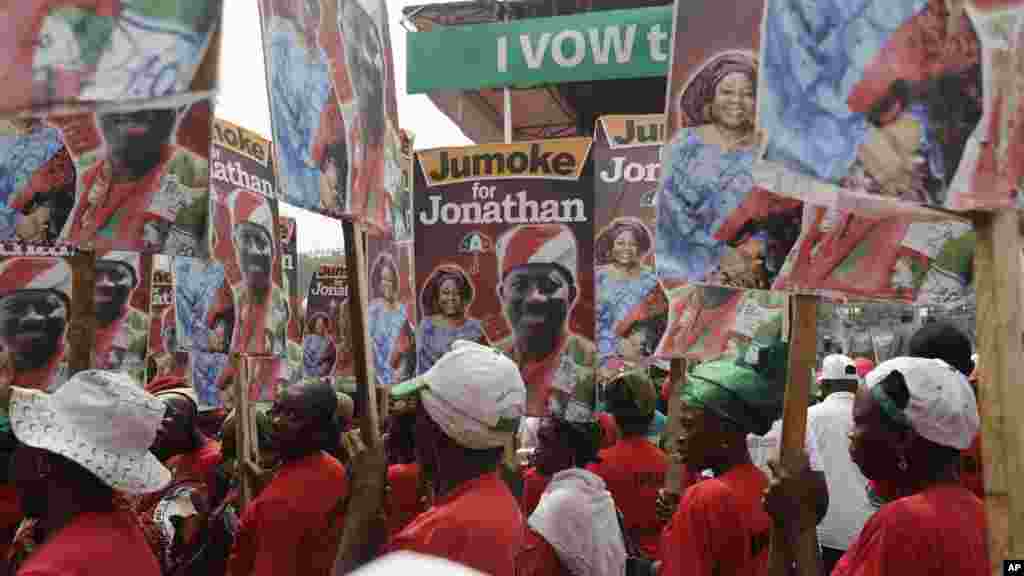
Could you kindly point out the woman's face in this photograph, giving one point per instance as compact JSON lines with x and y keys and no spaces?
{"x":733,"y":104}
{"x":387,"y":283}
{"x":553,"y":454}
{"x":700,"y":440}
{"x":626,"y":248}
{"x":871,"y":441}
{"x":449,"y":298}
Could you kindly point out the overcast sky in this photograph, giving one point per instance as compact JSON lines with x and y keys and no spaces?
{"x":243,"y":99}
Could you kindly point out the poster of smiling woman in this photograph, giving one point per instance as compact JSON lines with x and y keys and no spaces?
{"x":67,"y":51}
{"x":631,"y":307}
{"x":505,"y":256}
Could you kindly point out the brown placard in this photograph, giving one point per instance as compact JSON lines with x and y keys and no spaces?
{"x":677,"y":379}
{"x":355,"y":262}
{"x":802,"y":316}
{"x":997,"y":269}
{"x":82,"y":328}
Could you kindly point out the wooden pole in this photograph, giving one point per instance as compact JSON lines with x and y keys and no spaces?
{"x":358,"y":302}
{"x":243,"y":429}
{"x":676,"y":473}
{"x":81,"y":333}
{"x":997,"y":266}
{"x":803,"y":325}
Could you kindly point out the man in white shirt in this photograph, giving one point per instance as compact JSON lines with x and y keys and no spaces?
{"x":828,"y":428}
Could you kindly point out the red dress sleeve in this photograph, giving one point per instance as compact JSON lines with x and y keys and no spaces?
{"x":705,"y":535}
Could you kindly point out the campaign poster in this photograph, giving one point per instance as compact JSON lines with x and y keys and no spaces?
{"x":333,"y":109}
{"x":66,"y":51}
{"x":883,"y":98}
{"x":122,"y":178}
{"x":212,"y":375}
{"x":204,"y":311}
{"x":121,"y":305}
{"x":402,"y":224}
{"x":631,"y":307}
{"x":714,"y":322}
{"x":245,"y":241}
{"x":288,"y":241}
{"x":842,"y":254}
{"x":390,"y":313}
{"x":713,"y":226}
{"x":327,"y":351}
{"x":163,"y":357}
{"x":509,"y":260}
{"x":35,"y":311}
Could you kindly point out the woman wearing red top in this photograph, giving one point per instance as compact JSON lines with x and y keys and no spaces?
{"x":721,"y":527}
{"x":634,"y":469}
{"x":173,"y":518}
{"x":911,"y":420}
{"x":405,"y":500}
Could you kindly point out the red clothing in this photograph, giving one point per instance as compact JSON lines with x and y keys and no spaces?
{"x":972,"y":474}
{"x":10,"y":517}
{"x":720,"y":528}
{"x":539,"y":558}
{"x":404,"y":480}
{"x":478,"y":524}
{"x":292,"y":527}
{"x":634,"y":470}
{"x":609,"y":429}
{"x":534,"y":484}
{"x":938,"y":532}
{"x":94,"y":543}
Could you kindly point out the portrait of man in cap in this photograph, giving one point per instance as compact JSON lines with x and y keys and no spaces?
{"x":120,"y":328}
{"x":139,"y":185}
{"x":260,"y":305}
{"x":538,"y":291}
{"x":35,"y":304}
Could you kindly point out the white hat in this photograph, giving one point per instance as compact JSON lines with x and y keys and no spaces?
{"x":35,"y":273}
{"x":538,"y":244}
{"x":402,"y":563}
{"x":474,"y":393}
{"x":942,"y":406}
{"x":252,"y":207}
{"x":100,"y":420}
{"x":838,"y":367}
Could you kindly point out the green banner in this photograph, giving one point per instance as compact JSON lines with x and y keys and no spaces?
{"x":607,"y":45}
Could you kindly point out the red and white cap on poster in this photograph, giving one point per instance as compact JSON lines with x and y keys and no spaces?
{"x":32,"y":273}
{"x":538,"y":244}
{"x":252,"y":207}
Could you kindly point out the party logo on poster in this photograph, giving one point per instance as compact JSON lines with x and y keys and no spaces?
{"x":509,"y":261}
{"x":631,"y":308}
{"x":333,"y":108}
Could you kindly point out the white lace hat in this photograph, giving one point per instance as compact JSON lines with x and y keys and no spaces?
{"x":100,"y":420}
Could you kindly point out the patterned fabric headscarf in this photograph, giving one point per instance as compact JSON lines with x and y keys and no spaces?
{"x":700,"y":91}
{"x":747,"y":391}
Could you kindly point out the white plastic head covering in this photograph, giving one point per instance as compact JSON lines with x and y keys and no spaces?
{"x":407,"y":563}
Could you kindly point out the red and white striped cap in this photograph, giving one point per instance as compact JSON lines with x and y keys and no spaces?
{"x":35,"y":273}
{"x":538,"y":244}
{"x":248,"y":206}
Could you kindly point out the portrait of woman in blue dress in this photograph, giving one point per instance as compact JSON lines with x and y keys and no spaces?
{"x":387,"y":316}
{"x":707,"y":171}
{"x":446,"y":297}
{"x":623,"y":279}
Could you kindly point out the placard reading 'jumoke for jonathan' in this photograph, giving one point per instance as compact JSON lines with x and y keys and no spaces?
{"x":631,"y":308}
{"x":509,"y":261}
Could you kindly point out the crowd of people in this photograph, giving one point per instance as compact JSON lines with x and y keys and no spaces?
{"x":105,"y":474}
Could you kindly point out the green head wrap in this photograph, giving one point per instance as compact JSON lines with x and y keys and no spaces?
{"x":747,"y":391}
